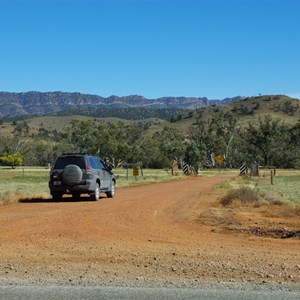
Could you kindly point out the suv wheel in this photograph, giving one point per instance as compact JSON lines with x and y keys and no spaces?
{"x":96,"y":195}
{"x":112,"y":192}
{"x":57,"y":196}
{"x":76,"y":196}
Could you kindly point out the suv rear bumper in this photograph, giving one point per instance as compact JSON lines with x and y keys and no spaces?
{"x":88,"y":187}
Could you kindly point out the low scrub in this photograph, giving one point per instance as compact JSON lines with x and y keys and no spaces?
{"x":269,"y":204}
{"x":8,"y":198}
{"x":242,"y":194}
{"x":284,"y":211}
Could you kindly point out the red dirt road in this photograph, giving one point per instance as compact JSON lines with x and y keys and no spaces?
{"x":155,"y":234}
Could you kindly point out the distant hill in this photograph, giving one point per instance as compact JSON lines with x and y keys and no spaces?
{"x":37,"y":103}
{"x":247,"y":110}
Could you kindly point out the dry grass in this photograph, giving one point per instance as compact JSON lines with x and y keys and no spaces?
{"x":242,"y":194}
{"x":9,"y":198}
{"x":281,"y":211}
{"x":270,"y":205}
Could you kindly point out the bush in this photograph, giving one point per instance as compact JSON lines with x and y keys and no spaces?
{"x":243,"y":194}
{"x":8,"y":198}
{"x":12,"y":160}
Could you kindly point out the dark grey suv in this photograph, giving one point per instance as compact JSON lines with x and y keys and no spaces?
{"x":78,"y":174}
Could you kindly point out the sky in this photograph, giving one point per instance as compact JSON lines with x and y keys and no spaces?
{"x":159,"y":48}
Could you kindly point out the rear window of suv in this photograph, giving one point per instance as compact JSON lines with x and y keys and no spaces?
{"x":62,"y":162}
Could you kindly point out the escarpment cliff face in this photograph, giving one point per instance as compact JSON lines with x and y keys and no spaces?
{"x":37,"y":103}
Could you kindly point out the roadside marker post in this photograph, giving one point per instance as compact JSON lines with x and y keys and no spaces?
{"x":185,"y":169}
{"x":243,"y":170}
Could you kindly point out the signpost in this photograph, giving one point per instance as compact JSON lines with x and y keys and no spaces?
{"x":135,"y":172}
{"x":136,"y":168}
{"x":219,"y":159}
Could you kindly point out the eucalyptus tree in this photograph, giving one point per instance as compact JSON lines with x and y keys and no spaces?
{"x":212,"y":136}
{"x":267,"y":142}
{"x":171,"y":145}
{"x":123,"y":144}
{"x":80,"y":135}
{"x":119,"y":143}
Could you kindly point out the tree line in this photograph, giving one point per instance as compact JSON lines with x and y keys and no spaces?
{"x":268,"y":142}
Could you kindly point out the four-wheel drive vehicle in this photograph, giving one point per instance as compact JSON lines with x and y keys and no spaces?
{"x":78,"y":174}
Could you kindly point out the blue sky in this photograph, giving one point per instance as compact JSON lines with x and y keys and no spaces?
{"x":213,"y":49}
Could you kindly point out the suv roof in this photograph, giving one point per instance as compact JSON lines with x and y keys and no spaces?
{"x":77,"y":154}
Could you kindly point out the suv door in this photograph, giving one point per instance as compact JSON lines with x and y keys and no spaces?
{"x":96,"y":170}
{"x":99,"y":170}
{"x":107,"y":176}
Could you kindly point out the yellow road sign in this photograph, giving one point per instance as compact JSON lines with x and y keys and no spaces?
{"x":219,"y":158}
{"x":135,"y":172}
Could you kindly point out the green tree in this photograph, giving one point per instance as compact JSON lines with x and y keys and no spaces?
{"x":80,"y":135}
{"x":200,"y":143}
{"x":267,"y":142}
{"x":213,"y":136}
{"x":12,"y":160}
{"x":119,"y":142}
{"x":21,"y":129}
{"x":194,"y":156}
{"x":153,"y":157}
{"x":171,"y":145}
{"x":14,"y":144}
{"x":41,"y":153}
{"x":124,"y":144}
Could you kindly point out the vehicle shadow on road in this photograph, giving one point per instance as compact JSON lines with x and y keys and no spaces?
{"x":50,"y":200}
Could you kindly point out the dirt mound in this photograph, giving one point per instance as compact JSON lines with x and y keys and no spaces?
{"x":280,"y":233}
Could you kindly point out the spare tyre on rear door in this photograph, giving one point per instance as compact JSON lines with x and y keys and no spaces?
{"x":72,"y":175}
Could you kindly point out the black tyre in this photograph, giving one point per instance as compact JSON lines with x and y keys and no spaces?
{"x":76,"y":196}
{"x":112,"y":192}
{"x":72,"y":175}
{"x":96,"y":195}
{"x":56,"y":196}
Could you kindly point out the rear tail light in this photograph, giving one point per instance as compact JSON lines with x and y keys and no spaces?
{"x":88,"y":169}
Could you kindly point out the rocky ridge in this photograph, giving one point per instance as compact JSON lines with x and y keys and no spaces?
{"x":38,"y":103}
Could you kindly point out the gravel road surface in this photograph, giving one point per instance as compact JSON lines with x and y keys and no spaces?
{"x":163,"y":235}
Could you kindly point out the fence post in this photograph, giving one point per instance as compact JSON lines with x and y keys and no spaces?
{"x":272,"y":175}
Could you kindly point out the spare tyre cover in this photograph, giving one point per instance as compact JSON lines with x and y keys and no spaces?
{"x":72,"y":175}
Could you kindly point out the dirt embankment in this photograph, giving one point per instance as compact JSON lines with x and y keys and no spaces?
{"x":162,"y":234}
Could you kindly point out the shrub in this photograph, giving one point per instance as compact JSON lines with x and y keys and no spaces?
{"x":12,"y":160}
{"x":8,"y":198}
{"x":243,"y":194}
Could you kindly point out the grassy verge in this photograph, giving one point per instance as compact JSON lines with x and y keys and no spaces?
{"x":281,"y":199}
{"x":286,"y":187}
{"x":31,"y":182}
{"x":145,"y":177}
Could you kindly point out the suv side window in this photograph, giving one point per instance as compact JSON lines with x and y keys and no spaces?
{"x":101,"y":165}
{"x":95,"y":163}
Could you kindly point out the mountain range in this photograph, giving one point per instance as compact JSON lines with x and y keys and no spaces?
{"x":38,"y":103}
